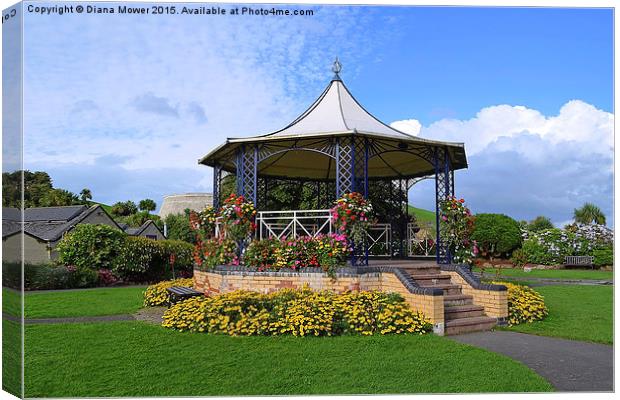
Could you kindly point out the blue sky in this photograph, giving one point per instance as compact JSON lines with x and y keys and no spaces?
{"x":125,"y":105}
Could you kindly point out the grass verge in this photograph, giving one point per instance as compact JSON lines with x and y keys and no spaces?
{"x":549,"y":273}
{"x":575,"y":312}
{"x":83,"y":302}
{"x":137,"y":359}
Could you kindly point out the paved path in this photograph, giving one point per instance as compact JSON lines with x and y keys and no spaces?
{"x":567,"y":364}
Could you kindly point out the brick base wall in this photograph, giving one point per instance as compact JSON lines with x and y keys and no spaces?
{"x":495,"y":302}
{"x":215,"y":282}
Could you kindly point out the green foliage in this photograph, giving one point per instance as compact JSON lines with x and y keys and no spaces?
{"x":551,"y":246}
{"x":603,"y":257}
{"x":38,"y":191}
{"x":145,"y":260}
{"x":519,"y":258}
{"x":496,"y":234}
{"x":139,"y":218}
{"x":179,"y":227}
{"x":46,"y":276}
{"x":588,"y":214}
{"x":86,"y":195}
{"x":147,"y":205}
{"x":540,"y":223}
{"x":90,"y":246}
{"x":59,"y":197}
{"x":124,"y":208}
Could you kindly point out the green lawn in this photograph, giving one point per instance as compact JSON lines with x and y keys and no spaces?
{"x":550,"y":273}
{"x":575,"y":312}
{"x":11,"y":302}
{"x":85,"y":302}
{"x":137,"y":359}
{"x":11,"y":357}
{"x":423,"y":215}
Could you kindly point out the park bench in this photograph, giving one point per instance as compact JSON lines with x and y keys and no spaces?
{"x":180,"y":293}
{"x":579,"y":261}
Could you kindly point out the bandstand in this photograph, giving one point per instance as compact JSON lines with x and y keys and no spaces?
{"x":336,"y":147}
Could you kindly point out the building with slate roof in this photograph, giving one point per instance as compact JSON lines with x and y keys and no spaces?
{"x":43,"y":229}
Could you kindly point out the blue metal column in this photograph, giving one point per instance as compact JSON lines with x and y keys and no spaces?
{"x":217,"y":185}
{"x":444,"y":190}
{"x":239,"y":172}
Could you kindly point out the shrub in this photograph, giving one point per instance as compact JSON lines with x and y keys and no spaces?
{"x":550,"y":246}
{"x":106,"y":277}
{"x":539,"y":223}
{"x":525,"y":305}
{"x":90,"y":246}
{"x":519,"y":258}
{"x":179,"y":228}
{"x":157,"y":295}
{"x":143,"y":260}
{"x":603,"y":257}
{"x":47,"y":277}
{"x":296,"y":312}
{"x":496,"y":234}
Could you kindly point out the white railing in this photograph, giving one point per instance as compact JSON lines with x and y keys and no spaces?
{"x":282,"y":224}
{"x":418,"y":243}
{"x":296,"y":223}
{"x":379,"y":240}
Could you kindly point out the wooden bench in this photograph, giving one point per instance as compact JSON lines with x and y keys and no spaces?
{"x":579,"y":261}
{"x":180,"y":293}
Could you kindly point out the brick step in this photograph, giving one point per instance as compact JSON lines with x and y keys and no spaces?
{"x":457,"y":300}
{"x":448,"y":288}
{"x":432,"y":279}
{"x":415,"y":270}
{"x":467,"y":311}
{"x":472,"y":324}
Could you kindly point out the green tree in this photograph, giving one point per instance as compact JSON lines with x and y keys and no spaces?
{"x":540,"y":223}
{"x":137,"y":219}
{"x":179,"y":228}
{"x":496,"y":234}
{"x":86,"y":195}
{"x":589,"y":214}
{"x":57,"y":197}
{"x":124,"y":208}
{"x":90,"y":246}
{"x":147,"y":205}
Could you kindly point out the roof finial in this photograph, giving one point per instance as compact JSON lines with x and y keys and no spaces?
{"x":336,"y":68}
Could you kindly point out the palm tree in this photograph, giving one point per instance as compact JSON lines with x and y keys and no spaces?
{"x":588,"y":214}
{"x":86,"y":195}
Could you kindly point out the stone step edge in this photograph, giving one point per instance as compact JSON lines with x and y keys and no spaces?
{"x":471,"y":321}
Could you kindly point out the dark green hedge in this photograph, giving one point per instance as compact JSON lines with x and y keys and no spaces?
{"x":131,"y":258}
{"x":496,"y":234}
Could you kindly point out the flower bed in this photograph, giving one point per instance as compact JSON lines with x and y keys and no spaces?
{"x":525,"y":305}
{"x":157,"y":295}
{"x":300,"y":312}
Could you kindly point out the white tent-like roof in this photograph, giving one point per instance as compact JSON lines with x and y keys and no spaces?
{"x":336,"y":113}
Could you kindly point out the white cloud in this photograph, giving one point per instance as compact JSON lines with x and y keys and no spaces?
{"x":410,"y":126}
{"x":524,"y":164}
{"x":577,"y":122}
